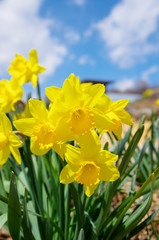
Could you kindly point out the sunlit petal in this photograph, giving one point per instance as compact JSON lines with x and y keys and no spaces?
{"x":25,"y":125}
{"x":38,"y":109}
{"x":16,"y":154}
{"x":89,"y":190}
{"x":67,"y":175}
{"x":14,"y":140}
{"x":109,"y":172}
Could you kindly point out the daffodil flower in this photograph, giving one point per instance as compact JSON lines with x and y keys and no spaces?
{"x":45,"y":134}
{"x":116,"y":112}
{"x":10,"y":93}
{"x":74,"y":104}
{"x":147,"y":93}
{"x":157,"y":102}
{"x":9,"y":142}
{"x":24,"y":70}
{"x":88,"y":165}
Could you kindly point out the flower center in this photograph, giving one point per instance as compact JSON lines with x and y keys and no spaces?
{"x":3,"y":140}
{"x":81,"y":120}
{"x":44,"y":135}
{"x":88,"y":174}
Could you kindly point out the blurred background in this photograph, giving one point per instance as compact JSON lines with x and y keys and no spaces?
{"x":113,"y":42}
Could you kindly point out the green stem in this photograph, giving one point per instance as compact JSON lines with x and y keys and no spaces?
{"x":78,"y":206}
{"x":67,"y":218}
{"x":38,"y":90}
{"x":35,"y":188}
{"x":62,"y":202}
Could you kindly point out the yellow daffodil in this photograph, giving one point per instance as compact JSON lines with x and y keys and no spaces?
{"x":45,"y":134}
{"x":157,"y":102}
{"x":10,"y":93}
{"x":147,"y":93}
{"x":116,"y":112}
{"x":74,"y":104}
{"x":88,"y":165}
{"x":9,"y":142}
{"x":24,"y":70}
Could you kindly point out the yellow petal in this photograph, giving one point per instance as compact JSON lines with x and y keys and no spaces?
{"x":118,"y":132}
{"x":93,"y":94}
{"x":63,"y":132}
{"x":106,"y":157}
{"x":89,"y":190}
{"x":35,"y":149}
{"x":109,"y":172}
{"x":60,"y":149}
{"x":157,"y":102}
{"x":90,"y":144}
{"x":38,"y":110}
{"x":52,"y":93}
{"x":104,"y":104}
{"x":34,"y":80}
{"x":67,"y":175}
{"x":25,"y":125}
{"x":125,"y":117}
{"x":4,"y":155}
{"x":17,"y":66}
{"x":33,"y":58}
{"x":5,"y":123}
{"x":40,"y":69}
{"x":14,"y":140}
{"x":16,"y":154}
{"x":72,"y":91}
{"x":73,"y":155}
{"x":101,"y":120}
{"x":120,"y":104}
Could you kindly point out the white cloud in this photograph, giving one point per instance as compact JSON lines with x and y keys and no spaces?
{"x":146,"y":74}
{"x":71,"y":36}
{"x":85,"y":59}
{"x":79,"y":2}
{"x":127,"y":30}
{"x":21,"y":29}
{"x":125,"y":84}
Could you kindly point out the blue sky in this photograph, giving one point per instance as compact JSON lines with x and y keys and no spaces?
{"x":108,"y":40}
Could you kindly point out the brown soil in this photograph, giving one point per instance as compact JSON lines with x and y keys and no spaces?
{"x":4,"y":235}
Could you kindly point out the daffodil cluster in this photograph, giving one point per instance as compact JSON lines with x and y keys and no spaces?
{"x":11,"y":92}
{"x":76,"y":113}
{"x":22,"y":71}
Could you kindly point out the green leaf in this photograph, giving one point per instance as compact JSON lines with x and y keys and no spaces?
{"x":123,"y":142}
{"x":67,"y":211}
{"x":3,"y":219}
{"x":92,"y":225}
{"x":137,"y":195}
{"x":129,"y":152}
{"x":81,"y":235}
{"x":14,"y":211}
{"x":3,"y":195}
{"x":77,"y":203}
{"x":132,"y":220}
{"x":25,"y":221}
{"x":142,"y":120}
{"x":154,"y":231}
{"x":48,"y":229}
{"x":143,"y":224}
